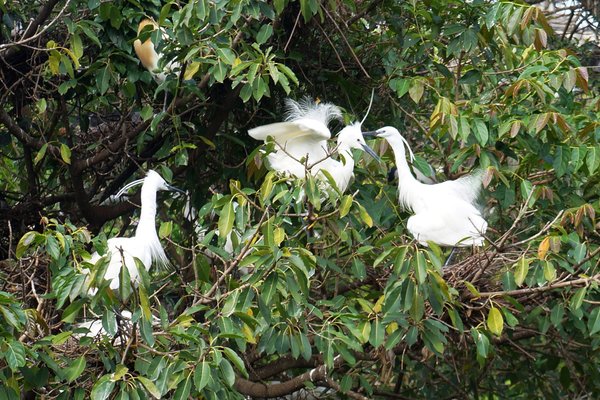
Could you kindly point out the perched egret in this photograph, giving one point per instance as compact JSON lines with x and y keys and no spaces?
{"x":145,"y":244}
{"x":444,"y":213}
{"x":301,"y":140}
{"x":342,"y":171}
{"x":149,"y":57}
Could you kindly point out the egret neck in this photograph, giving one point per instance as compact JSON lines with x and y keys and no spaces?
{"x":146,"y":229}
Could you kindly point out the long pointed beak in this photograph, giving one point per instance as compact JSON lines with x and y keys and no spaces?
{"x":371,"y":152}
{"x":370,"y":134}
{"x":175,"y":189}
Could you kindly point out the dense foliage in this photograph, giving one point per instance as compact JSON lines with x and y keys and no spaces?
{"x":281,"y":285}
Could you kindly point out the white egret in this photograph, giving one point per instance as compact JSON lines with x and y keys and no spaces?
{"x":444,"y":213}
{"x":302,"y":142}
{"x":149,"y":57}
{"x":145,"y":244}
{"x":342,"y":171}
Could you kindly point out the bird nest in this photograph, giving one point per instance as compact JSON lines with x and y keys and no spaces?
{"x":482,"y":269}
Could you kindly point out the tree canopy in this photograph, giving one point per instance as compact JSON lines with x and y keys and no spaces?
{"x":283,"y":286}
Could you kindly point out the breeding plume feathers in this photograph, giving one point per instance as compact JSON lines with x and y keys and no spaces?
{"x":301,"y":139}
{"x":307,"y":108}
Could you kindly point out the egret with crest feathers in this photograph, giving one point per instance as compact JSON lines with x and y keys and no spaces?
{"x":444,"y":213}
{"x":301,"y":142}
{"x":145,"y":244}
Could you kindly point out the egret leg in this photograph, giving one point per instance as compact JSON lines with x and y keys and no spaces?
{"x":165,"y":101}
{"x":449,"y":259}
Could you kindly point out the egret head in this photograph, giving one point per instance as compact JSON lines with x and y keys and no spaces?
{"x":152,"y":180}
{"x":393,"y":137}
{"x":159,"y":183}
{"x":351,"y":137}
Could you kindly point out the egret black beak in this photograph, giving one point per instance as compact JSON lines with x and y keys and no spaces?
{"x":370,"y":134}
{"x":371,"y":152}
{"x":175,"y":189}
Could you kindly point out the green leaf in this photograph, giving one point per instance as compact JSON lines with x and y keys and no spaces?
{"x":481,"y":132}
{"x":227,"y":371}
{"x":401,"y":86}
{"x":421,"y":268}
{"x":74,"y":370}
{"x":65,"y":153}
{"x":103,"y":80}
{"x":364,"y":215}
{"x":77,"y":45}
{"x":124,"y":282}
{"x":236,"y":360}
{"x":592,"y":160}
{"x":226,"y":55}
{"x":482,"y":342}
{"x":416,"y":90}
{"x":202,"y":375}
{"x":72,"y":311}
{"x":522,"y":267}
{"x":345,"y":205}
{"x":377,"y":333}
{"x":549,"y":271}
{"x":230,"y":303}
{"x":226,"y":219}
{"x":495,"y":322}
{"x":146,"y":112}
{"x":150,"y":387}
{"x":265,"y":32}
{"x":594,"y":321}
{"x":165,"y":229}
{"x":102,"y":388}
{"x":26,"y":241}
{"x":183,"y":389}
{"x":14,"y":353}
{"x":40,"y":154}
{"x":577,"y":299}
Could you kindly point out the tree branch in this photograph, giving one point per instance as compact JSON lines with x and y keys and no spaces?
{"x":41,"y":18}
{"x":260,"y":389}
{"x":24,"y":137}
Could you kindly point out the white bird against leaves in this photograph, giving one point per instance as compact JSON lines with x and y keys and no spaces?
{"x":149,"y":57}
{"x":94,"y":329}
{"x":342,"y":171}
{"x":145,"y":244}
{"x":301,"y":142}
{"x":444,"y":213}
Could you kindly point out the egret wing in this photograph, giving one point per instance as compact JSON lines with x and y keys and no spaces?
{"x":466,"y":188}
{"x":283,"y":131}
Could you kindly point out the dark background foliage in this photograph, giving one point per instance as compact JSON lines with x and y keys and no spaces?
{"x":317,"y":290}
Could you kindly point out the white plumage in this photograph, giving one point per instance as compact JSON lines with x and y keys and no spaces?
{"x":302,"y":147}
{"x":145,"y":244}
{"x":301,"y":140}
{"x":444,"y":213}
{"x":342,"y":170}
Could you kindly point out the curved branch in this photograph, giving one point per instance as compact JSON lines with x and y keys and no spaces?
{"x":283,"y":364}
{"x":260,"y":389}
{"x":23,"y":136}
{"x":41,"y":18}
